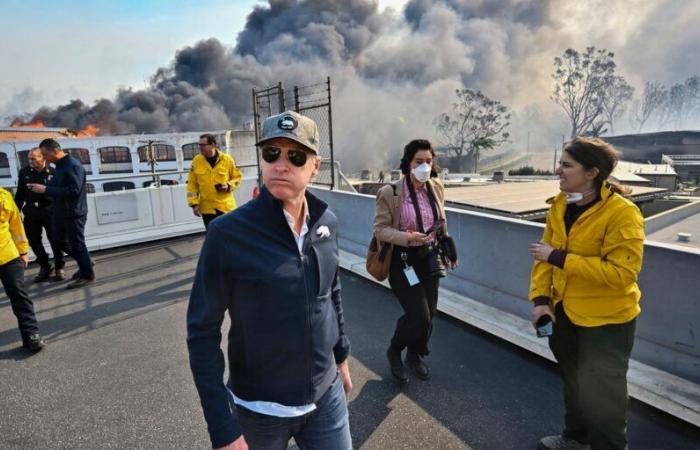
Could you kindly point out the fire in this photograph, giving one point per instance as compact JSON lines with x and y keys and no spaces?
{"x":18,"y":123}
{"x":89,"y":130}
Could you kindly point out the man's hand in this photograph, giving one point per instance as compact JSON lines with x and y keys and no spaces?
{"x":541,"y":251}
{"x":25,"y":260}
{"x":238,"y":444}
{"x":344,"y":370}
{"x":195,"y":210}
{"x":223,"y":187}
{"x":38,"y":188}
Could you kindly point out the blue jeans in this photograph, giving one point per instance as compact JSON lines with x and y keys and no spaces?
{"x":325,"y":428}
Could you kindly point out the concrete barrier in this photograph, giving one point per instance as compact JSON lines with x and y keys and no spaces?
{"x":495,"y":270}
{"x":145,"y":214}
{"x":657,"y":222}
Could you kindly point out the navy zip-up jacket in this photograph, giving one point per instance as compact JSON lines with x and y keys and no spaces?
{"x":287,"y":328}
{"x":67,"y":187}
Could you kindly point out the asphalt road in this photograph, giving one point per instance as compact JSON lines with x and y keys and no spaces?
{"x":115,"y":372}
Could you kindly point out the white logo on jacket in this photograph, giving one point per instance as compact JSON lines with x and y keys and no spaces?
{"x":323,"y":231}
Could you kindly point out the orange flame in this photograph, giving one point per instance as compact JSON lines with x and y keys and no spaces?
{"x":89,"y":130}
{"x":18,"y":123}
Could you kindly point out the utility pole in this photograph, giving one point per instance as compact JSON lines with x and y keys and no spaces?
{"x":151,"y":157}
{"x":554,"y":166}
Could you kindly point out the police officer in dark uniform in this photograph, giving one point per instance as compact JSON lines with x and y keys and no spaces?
{"x":37,"y":215}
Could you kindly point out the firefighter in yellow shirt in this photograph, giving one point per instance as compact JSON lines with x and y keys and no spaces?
{"x":13,"y":260}
{"x":212,"y":180}
{"x":584,"y":279}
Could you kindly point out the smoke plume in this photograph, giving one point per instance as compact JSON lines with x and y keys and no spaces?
{"x":393,"y":72}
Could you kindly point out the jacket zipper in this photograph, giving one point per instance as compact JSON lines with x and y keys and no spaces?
{"x":308,"y":325}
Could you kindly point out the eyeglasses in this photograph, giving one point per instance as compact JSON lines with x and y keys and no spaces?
{"x":204,"y":145}
{"x":297,"y":157}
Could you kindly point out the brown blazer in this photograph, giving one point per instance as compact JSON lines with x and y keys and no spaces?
{"x":388,"y":211}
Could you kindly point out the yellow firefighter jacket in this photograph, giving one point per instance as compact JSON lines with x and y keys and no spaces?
{"x":202,"y":179}
{"x":598,"y":284}
{"x":13,"y":241}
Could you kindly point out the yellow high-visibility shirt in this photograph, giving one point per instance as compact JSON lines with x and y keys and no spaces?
{"x":202,"y":179}
{"x":605,"y":246}
{"x":13,"y":241}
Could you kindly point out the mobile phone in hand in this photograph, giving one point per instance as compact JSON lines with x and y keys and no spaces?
{"x":544,"y":326}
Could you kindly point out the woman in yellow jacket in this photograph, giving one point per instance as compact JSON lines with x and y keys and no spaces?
{"x":585,"y":279}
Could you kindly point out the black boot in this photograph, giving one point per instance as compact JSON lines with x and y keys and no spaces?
{"x":44,"y":274}
{"x":397,"y":368}
{"x":34,"y":343}
{"x":417,"y":366}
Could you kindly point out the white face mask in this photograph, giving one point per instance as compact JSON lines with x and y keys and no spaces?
{"x":422,"y":172}
{"x":575,"y":197}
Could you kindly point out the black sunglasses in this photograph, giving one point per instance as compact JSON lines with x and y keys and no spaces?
{"x":297,"y":157}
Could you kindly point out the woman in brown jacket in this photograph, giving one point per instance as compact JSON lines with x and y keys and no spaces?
{"x":407,"y":214}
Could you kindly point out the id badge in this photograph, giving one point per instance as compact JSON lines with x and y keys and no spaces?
{"x":411,"y":276}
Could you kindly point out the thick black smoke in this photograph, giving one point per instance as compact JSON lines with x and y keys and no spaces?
{"x":394,"y":72}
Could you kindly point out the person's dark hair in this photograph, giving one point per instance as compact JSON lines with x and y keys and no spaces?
{"x":596,"y":153}
{"x":410,"y":150}
{"x":211,"y":139}
{"x":50,"y":144}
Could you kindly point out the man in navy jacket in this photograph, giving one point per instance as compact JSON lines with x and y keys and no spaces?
{"x":69,"y":208}
{"x":273,"y":265}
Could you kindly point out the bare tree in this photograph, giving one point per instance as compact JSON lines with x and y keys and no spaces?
{"x":692,"y":91}
{"x":677,"y":105}
{"x":681,"y":106}
{"x":616,"y":95}
{"x":652,"y":102}
{"x":476,"y":123}
{"x":581,"y":79}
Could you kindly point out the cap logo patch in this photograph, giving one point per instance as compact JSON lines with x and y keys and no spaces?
{"x":287,"y":123}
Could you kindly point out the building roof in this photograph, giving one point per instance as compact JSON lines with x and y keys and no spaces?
{"x":626,"y":177}
{"x":520,"y":198}
{"x":625,"y":167}
{"x":681,"y":160}
{"x":669,"y":234}
{"x":31,"y":133}
{"x":33,"y":129}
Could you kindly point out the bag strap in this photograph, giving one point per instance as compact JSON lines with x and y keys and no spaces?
{"x":416,"y":207}
{"x":433,"y":201}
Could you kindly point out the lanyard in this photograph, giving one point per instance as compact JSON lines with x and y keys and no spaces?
{"x":416,"y":207}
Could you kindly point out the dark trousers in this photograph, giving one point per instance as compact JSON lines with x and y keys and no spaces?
{"x":419,"y":302}
{"x":325,"y":428}
{"x":36,"y":220}
{"x":593,"y":363}
{"x":70,"y":233}
{"x":209,"y":217}
{"x":12,"y":277}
